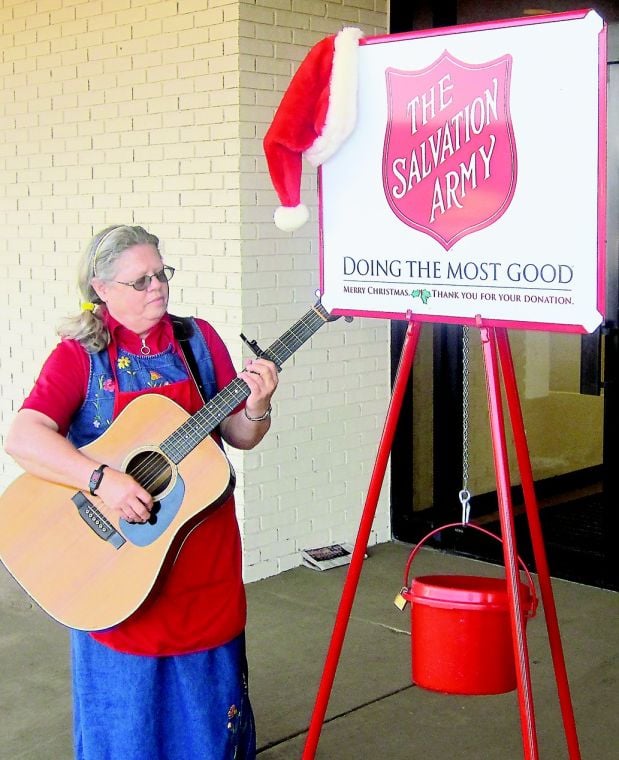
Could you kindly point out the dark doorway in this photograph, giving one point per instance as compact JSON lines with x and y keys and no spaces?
{"x":579,"y":511}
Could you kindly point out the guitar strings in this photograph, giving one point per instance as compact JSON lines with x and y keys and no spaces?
{"x":153,"y":469}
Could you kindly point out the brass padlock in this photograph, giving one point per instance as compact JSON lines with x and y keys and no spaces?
{"x":400,"y":601}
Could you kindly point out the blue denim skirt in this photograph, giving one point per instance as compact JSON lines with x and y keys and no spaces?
{"x":185,"y":707}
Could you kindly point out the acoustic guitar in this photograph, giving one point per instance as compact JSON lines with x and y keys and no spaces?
{"x":90,"y":570}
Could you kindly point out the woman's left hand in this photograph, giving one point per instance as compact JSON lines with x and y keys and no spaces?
{"x":261,"y":376}
{"x":239,"y":430}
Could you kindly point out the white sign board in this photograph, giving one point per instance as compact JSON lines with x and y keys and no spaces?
{"x":472,"y":189}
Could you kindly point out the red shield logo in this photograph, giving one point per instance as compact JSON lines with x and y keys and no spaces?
{"x":449,"y":159}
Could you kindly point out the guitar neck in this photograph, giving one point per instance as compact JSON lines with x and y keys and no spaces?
{"x":201,"y":424}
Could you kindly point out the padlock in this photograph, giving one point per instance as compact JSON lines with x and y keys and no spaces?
{"x":400,"y":601}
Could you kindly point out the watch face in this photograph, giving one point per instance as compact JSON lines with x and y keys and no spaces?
{"x":95,"y":479}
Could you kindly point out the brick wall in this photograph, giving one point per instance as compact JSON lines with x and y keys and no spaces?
{"x":152,"y":112}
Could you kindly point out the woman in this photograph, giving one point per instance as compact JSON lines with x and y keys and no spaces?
{"x":170,"y":682}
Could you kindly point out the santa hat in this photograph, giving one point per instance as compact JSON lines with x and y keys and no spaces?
{"x":316,"y":115}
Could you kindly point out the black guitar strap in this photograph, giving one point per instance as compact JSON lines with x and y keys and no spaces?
{"x":183,"y":330}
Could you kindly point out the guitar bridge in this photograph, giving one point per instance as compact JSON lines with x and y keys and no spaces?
{"x":96,"y":521}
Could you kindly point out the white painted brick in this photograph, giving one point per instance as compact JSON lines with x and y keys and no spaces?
{"x":258,"y":570}
{"x":156,"y":112}
{"x":289,"y":561}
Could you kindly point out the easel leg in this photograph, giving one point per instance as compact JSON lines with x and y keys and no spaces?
{"x":501,"y":464}
{"x":492,"y":340}
{"x":537,"y":541}
{"x":356,"y":563}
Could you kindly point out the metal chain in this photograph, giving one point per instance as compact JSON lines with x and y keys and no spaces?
{"x":465,"y":494}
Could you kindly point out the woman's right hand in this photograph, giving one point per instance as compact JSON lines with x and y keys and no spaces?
{"x":124,"y":496}
{"x":36,"y":445}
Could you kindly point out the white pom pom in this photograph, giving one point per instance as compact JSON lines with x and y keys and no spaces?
{"x":289,"y":218}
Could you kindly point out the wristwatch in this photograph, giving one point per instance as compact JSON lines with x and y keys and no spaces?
{"x":96,"y":478}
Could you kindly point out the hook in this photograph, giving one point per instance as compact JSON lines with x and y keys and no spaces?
{"x":465,"y":498}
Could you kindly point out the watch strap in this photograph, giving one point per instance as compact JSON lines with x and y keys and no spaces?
{"x":95,"y":479}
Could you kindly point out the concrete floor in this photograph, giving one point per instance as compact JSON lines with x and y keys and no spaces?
{"x":374,"y":710}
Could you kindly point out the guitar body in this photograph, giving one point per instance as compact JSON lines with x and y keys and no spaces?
{"x":56,"y":541}
{"x":82,"y":565}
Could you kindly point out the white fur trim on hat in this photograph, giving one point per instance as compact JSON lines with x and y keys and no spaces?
{"x":342,"y":111}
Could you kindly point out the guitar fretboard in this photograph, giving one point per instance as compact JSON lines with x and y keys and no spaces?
{"x":201,"y":424}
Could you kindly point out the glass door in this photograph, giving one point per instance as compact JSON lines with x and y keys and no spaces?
{"x":567,"y":433}
{"x":569,"y":393}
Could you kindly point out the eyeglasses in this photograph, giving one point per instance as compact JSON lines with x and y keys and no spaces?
{"x":163,"y":275}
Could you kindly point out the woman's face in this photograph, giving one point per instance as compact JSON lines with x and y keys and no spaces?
{"x":138,"y":310}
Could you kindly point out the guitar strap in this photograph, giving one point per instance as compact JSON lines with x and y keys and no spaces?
{"x":183,"y":330}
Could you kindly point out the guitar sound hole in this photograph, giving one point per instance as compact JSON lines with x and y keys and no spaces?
{"x":151,"y":470}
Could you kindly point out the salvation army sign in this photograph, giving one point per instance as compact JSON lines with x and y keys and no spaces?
{"x":473,"y":186}
{"x":449,"y":159}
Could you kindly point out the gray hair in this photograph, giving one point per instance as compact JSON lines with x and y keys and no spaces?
{"x":99,"y":260}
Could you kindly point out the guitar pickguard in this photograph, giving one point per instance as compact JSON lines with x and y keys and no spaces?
{"x":164,"y":511}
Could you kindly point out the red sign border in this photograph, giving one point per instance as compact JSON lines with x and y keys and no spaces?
{"x":602,"y":180}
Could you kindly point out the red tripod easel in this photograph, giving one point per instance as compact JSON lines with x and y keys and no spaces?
{"x":497,"y":358}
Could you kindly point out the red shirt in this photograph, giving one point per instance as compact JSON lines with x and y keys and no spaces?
{"x":200,"y":603}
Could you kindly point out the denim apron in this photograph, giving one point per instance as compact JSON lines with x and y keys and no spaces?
{"x":134,"y":707}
